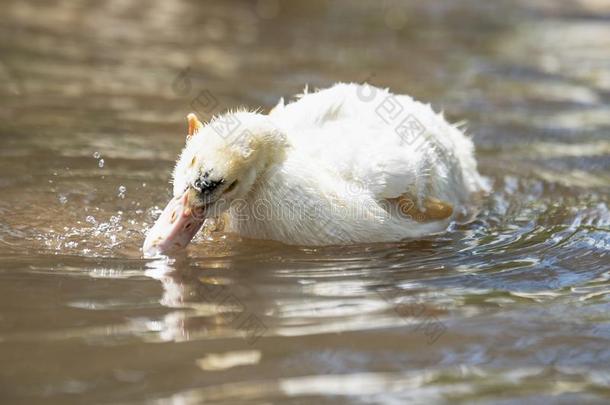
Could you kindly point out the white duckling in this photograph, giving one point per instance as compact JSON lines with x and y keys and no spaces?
{"x":348,"y":164}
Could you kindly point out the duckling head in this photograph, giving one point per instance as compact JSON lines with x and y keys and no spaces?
{"x":221,"y":162}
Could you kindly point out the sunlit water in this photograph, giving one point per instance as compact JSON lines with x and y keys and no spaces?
{"x":512,"y":307}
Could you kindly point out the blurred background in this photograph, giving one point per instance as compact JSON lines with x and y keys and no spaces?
{"x":511,"y":308}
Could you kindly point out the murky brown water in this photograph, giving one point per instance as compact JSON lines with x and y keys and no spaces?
{"x":511,"y":308}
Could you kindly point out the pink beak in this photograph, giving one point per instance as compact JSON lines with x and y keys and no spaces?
{"x":174,"y":229}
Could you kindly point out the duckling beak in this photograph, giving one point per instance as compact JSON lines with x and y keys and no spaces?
{"x":178,"y":224}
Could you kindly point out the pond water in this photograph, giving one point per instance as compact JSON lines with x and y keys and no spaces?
{"x":513,"y":307}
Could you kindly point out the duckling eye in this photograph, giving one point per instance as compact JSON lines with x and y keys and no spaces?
{"x":205,"y":185}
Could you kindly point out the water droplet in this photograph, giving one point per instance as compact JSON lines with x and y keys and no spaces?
{"x":100,"y":163}
{"x":96,"y":155}
{"x":122,"y":190}
{"x":63,"y":199}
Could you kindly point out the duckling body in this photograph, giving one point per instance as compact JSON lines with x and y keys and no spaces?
{"x":348,"y":164}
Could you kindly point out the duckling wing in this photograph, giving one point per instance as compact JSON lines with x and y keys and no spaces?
{"x":388,"y":144}
{"x":341,"y":131}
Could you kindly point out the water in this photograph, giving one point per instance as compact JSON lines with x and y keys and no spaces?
{"x":511,"y":308}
